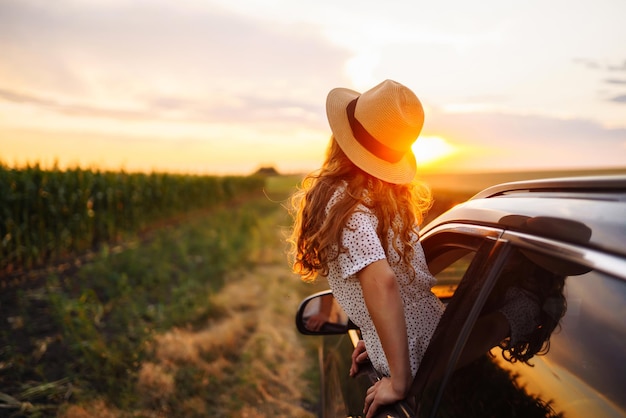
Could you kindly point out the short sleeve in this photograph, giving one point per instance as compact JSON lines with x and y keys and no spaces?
{"x":521,"y":310}
{"x":361,"y":243}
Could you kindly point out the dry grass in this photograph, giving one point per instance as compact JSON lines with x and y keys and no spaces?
{"x":97,"y":408}
{"x":250,"y":361}
{"x":246,"y":361}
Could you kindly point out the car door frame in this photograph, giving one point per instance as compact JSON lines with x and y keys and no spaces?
{"x":464,"y":307}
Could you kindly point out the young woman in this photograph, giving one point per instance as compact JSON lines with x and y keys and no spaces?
{"x":356,"y":224}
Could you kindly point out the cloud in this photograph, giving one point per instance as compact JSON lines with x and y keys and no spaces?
{"x":502,"y":128}
{"x":198,"y":70}
{"x":246,"y":109}
{"x":621,"y":67}
{"x":161,"y":57}
{"x":588,"y":63}
{"x":529,"y":139}
{"x":17,"y":97}
{"x":70,"y":108}
{"x":619,"y":99}
{"x":596,"y":65}
{"x":599,"y":65}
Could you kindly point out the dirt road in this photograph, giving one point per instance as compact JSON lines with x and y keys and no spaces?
{"x":248,"y":360}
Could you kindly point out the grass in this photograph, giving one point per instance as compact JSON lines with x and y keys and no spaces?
{"x":195,"y":319}
{"x":49,"y":215}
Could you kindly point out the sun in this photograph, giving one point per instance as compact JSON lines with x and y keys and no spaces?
{"x":430,"y":149}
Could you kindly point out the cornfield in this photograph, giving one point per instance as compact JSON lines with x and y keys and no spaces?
{"x":46,"y":215}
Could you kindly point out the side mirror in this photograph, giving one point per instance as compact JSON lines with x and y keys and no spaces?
{"x":320,"y":314}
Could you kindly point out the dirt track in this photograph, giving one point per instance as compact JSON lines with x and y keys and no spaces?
{"x":248,"y":361}
{"x":251,"y":358}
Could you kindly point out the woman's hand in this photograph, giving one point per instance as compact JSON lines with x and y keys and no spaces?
{"x":381,"y":393}
{"x":316,"y":322}
{"x":359,"y":355}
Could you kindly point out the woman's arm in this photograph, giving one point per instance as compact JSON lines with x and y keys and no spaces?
{"x":383,"y":301}
{"x":488,"y":332}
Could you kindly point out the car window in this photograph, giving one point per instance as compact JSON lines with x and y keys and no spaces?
{"x":456,"y":262}
{"x":583,"y":373}
{"x":562,"y":354}
{"x":449,"y":253}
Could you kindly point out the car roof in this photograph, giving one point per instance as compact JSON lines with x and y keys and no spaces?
{"x":597,"y":203}
{"x":592,"y":186}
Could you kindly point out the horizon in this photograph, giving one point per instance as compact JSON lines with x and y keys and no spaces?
{"x":617,"y":170}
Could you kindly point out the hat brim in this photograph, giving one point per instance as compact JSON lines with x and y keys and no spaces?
{"x":400,"y":172}
{"x":552,"y":227}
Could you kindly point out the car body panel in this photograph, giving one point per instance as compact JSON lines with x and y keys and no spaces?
{"x":604,"y":218}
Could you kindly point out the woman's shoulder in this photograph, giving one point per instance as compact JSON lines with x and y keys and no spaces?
{"x":339,"y":192}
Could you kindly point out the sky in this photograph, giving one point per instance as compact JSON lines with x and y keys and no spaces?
{"x":228,"y":86}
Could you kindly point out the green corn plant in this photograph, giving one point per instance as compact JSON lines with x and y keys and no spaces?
{"x":47,"y":215}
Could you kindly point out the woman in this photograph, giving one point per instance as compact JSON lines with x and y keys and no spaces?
{"x":356,"y":224}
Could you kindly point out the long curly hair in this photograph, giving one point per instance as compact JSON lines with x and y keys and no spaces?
{"x":316,"y":236}
{"x":547,"y":288}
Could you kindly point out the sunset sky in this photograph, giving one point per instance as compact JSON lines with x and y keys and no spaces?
{"x":226,"y":86}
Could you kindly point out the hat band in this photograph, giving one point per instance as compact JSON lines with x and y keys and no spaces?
{"x":368,"y":141}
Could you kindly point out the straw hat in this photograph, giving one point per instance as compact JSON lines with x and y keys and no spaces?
{"x":377,"y":128}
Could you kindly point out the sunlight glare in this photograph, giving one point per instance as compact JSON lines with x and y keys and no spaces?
{"x":360,"y":69}
{"x":430,"y":149}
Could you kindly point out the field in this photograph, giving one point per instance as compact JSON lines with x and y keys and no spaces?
{"x":46,"y":215}
{"x":192,"y":316}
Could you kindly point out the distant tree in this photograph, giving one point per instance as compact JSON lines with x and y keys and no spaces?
{"x":267,"y":171}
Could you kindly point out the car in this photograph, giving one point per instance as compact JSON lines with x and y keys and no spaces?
{"x":575,"y":229}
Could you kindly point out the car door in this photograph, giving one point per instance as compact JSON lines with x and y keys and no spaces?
{"x":579,"y":371}
{"x":463,"y":258}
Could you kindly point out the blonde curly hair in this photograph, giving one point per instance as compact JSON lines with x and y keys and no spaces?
{"x":399,"y":207}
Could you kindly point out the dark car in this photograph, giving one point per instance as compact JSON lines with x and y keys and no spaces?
{"x":573,"y":230}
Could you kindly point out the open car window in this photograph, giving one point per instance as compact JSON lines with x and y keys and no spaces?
{"x":449,"y":252}
{"x":449,"y":270}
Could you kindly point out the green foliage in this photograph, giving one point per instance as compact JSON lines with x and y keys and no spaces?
{"x":89,"y":327}
{"x":46,"y":215}
{"x":93,"y":325}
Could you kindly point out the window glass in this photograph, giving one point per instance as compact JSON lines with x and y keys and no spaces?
{"x":583,"y":373}
{"x":560,"y":337}
{"x":456,"y":263}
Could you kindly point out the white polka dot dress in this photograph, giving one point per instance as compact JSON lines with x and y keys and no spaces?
{"x":421,"y":307}
{"x":521,"y":310}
